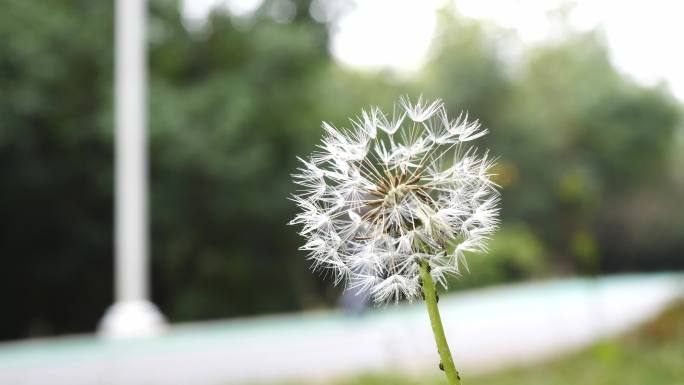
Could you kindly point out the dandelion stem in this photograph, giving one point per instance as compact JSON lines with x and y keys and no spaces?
{"x":437,"y":328}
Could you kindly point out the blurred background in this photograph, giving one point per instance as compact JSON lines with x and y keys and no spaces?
{"x":583,"y":101}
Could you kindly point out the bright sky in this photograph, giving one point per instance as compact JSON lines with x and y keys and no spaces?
{"x":644,"y":36}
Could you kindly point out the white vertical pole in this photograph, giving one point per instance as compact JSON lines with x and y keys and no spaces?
{"x":132,"y":314}
{"x":131,"y":161}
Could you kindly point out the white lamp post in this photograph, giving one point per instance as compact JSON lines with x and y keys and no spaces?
{"x":132,"y":314}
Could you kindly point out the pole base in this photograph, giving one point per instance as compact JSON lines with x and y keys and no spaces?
{"x":131,"y":319}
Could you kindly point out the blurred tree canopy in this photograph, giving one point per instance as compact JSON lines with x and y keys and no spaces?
{"x":589,"y":164}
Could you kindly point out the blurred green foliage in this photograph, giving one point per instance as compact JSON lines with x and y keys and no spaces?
{"x":514,"y":254}
{"x":589,"y":159}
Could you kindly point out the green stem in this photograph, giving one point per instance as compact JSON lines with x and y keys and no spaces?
{"x":437,"y":328}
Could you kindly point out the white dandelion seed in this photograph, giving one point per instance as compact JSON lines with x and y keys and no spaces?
{"x":392,"y":192}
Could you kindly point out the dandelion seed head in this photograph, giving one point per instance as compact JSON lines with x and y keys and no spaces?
{"x":393,"y":191}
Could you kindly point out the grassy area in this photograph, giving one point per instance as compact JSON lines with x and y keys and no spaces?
{"x":651,"y":355}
